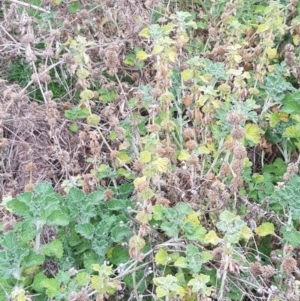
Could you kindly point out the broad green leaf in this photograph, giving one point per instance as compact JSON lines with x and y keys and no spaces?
{"x":19,"y":208}
{"x":206,"y":256}
{"x":86,"y":230}
{"x":227,"y":216}
{"x":290,"y":236}
{"x":274,"y":119}
{"x":187,"y":74}
{"x":162,"y":164}
{"x":182,"y":208}
{"x":193,"y":217}
{"x":116,"y":204}
{"x":161,"y":292}
{"x":140,"y":183}
{"x":124,"y":158}
{"x":145,"y":157}
{"x":51,"y":286}
{"x":197,"y":234}
{"x":211,"y":238}
{"x":38,"y":279}
{"x":120,"y":232}
{"x":271,"y":53}
{"x":292,"y":131}
{"x":203,"y":150}
{"x":198,"y":283}
{"x":141,"y":55}
{"x":157,"y":49}
{"x":265,"y":229}
{"x":172,"y":56}
{"x":157,"y":212}
{"x":53,"y":249}
{"x":74,"y":7}
{"x":58,"y":218}
{"x":33,"y":260}
{"x":183,"y":155}
{"x":162,"y":256}
{"x":246,"y":233}
{"x":73,"y":127}
{"x":180,"y":262}
{"x":82,"y":278}
{"x":130,"y":59}
{"x":252,"y":132}
{"x":119,"y":255}
{"x":262,"y":27}
{"x":144,"y":33}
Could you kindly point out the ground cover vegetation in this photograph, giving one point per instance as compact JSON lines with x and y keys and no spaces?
{"x":149,"y":150}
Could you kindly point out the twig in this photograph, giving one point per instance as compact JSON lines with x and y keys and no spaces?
{"x":30,"y":6}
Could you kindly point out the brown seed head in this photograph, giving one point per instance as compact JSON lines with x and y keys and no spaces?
{"x":153,"y":128}
{"x":188,"y":133}
{"x":191,"y":145}
{"x":267,"y":271}
{"x":239,"y":151}
{"x":237,"y":133}
{"x":288,"y":264}
{"x":255,"y":268}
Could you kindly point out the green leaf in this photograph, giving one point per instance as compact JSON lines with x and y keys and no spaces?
{"x":119,"y":255}
{"x":100,"y":246}
{"x":291,"y":103}
{"x":116,"y":205}
{"x":157,"y":49}
{"x":278,"y":167}
{"x":144,"y":33}
{"x":162,"y":256}
{"x":162,"y":164}
{"x":51,"y":286}
{"x":183,"y":208}
{"x":287,"y":197}
{"x":74,"y":7}
{"x":37,"y":283}
{"x":141,"y":55}
{"x":246,"y":233}
{"x":274,"y":119}
{"x":290,"y":236}
{"x":145,"y":157}
{"x":157,"y":212}
{"x":53,"y":249}
{"x":198,"y":284}
{"x":19,"y":207}
{"x":58,"y":218}
{"x":76,"y":113}
{"x":120,"y":232}
{"x":211,"y":238}
{"x":292,"y":131}
{"x":187,"y":74}
{"x":130,"y":59}
{"x":73,"y":127}
{"x":33,"y":259}
{"x":86,"y":230}
{"x":82,"y":279}
{"x":183,"y":155}
{"x":180,"y":262}
{"x":198,"y":233}
{"x":252,"y":132}
{"x":265,"y":229}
